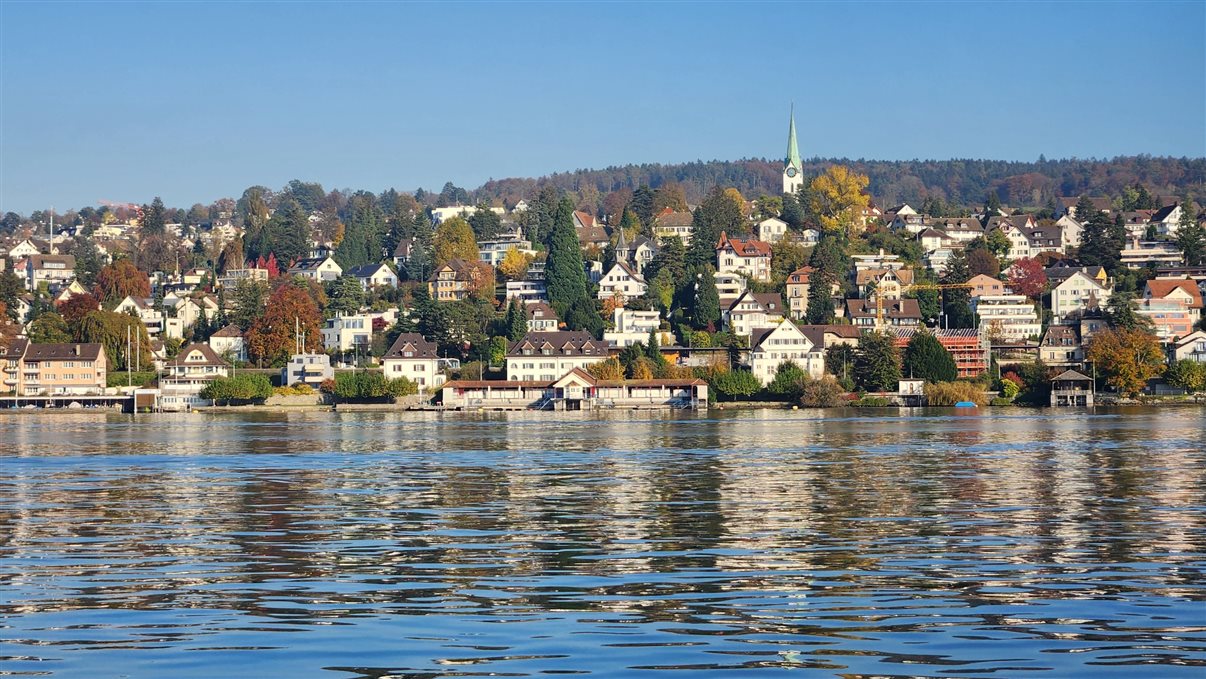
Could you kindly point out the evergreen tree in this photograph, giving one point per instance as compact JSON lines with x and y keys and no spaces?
{"x":485,"y":222}
{"x":820,"y":308}
{"x":565,"y":277}
{"x":957,"y":301}
{"x":877,"y":362}
{"x":642,"y":203}
{"x":346,"y":296}
{"x":705,"y":299}
{"x":87,"y":261}
{"x":1085,"y":209}
{"x":289,"y":232}
{"x":1191,"y":239}
{"x":154,"y":218}
{"x":670,"y":257}
{"x":718,"y":212}
{"x":418,"y":267}
{"x":792,"y":213}
{"x":516,"y":321}
{"x":582,"y":315}
{"x":926,"y":359}
{"x":1100,"y":244}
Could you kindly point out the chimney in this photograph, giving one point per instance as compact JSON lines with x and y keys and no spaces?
{"x":77,"y":350}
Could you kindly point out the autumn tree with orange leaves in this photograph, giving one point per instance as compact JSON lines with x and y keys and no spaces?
{"x":120,"y":279}
{"x":271,"y":339}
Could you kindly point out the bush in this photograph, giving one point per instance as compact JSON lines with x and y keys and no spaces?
{"x":370,"y":385}
{"x":790,"y":380}
{"x":872,"y":402}
{"x":298,"y":389}
{"x":1188,"y":375}
{"x":1001,"y":402}
{"x":733,"y":384}
{"x":241,"y":387}
{"x":822,"y":393}
{"x":137,"y":379}
{"x":950,"y":393}
{"x":327,"y":386}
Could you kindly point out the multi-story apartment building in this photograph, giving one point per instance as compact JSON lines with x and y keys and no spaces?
{"x":53,"y":369}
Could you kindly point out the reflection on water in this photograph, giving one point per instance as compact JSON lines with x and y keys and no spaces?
{"x":374,"y":545}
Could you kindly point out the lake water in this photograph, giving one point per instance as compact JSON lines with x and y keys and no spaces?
{"x":1016,"y":543}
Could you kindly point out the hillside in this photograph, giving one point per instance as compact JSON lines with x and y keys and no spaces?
{"x":960,"y":181}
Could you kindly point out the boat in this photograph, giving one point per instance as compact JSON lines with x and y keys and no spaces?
{"x":965,"y":404}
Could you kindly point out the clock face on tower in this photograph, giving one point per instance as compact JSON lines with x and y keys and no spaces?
{"x":791,"y":172}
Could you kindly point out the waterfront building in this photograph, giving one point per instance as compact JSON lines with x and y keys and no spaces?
{"x":414,"y":357}
{"x":194,"y":367}
{"x":969,"y":347}
{"x":311,"y":369}
{"x":785,"y":342}
{"x":53,"y":369}
{"x":542,"y":356}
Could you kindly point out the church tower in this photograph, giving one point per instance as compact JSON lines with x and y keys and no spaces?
{"x":793,"y":169}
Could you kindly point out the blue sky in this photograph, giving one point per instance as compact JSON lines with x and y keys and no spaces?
{"x":196,"y":101}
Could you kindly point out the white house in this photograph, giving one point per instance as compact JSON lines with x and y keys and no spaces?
{"x":753,"y":310}
{"x":412,"y":356}
{"x":311,"y":369}
{"x":785,"y":342}
{"x":1007,"y":317}
{"x":143,"y":308}
{"x":772,"y":230}
{"x":541,"y":317}
{"x":544,"y":356}
{"x":191,"y":371}
{"x":54,"y":270}
{"x":746,"y":256}
{"x":317,"y":269}
{"x":621,"y":281}
{"x":1078,"y":292}
{"x":1069,"y":232}
{"x":632,"y":326}
{"x":347,"y":332}
{"x":229,"y":342}
{"x":374,"y":276}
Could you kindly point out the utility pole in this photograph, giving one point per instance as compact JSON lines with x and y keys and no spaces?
{"x":129,"y":377}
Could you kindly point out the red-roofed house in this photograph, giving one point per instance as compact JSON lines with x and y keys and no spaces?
{"x":745,"y":256}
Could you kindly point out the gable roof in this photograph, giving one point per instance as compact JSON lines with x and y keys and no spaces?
{"x":231,"y":330}
{"x":539,"y":311}
{"x":759,"y":335}
{"x":801,"y":275}
{"x":1071,"y":375}
{"x":211,"y":357}
{"x":582,"y":342}
{"x":744,"y":247}
{"x":413,"y":342}
{"x":1163,"y":213}
{"x":366,"y":270}
{"x":310,"y":263}
{"x":1160,"y":288}
{"x":674,"y":219}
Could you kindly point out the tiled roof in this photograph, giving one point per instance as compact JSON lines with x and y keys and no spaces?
{"x":62,"y":352}
{"x":413,"y":342}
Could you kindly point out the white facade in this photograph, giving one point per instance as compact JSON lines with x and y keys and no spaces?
{"x":1009,"y":317}
{"x":785,"y":343}
{"x":621,"y":281}
{"x":1073,"y":295}
{"x":527,"y":291}
{"x":632,"y":326}
{"x":344,"y":333}
{"x":492,"y":252}
{"x":772,"y":230}
{"x":324,"y":270}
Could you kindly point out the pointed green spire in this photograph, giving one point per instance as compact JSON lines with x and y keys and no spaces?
{"x":793,"y":151}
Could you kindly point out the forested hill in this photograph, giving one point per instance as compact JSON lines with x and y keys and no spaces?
{"x":961,"y":182}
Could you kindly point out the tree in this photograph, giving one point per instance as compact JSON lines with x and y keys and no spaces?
{"x":515,"y":322}
{"x":565,"y":278}
{"x":671,"y":257}
{"x":642,"y":203}
{"x":837,"y":197}
{"x":113,"y":330}
{"x":514,"y":264}
{"x":981,"y":261}
{"x":704,"y":308}
{"x":272,"y":337}
{"x":877,"y":362}
{"x":76,"y":307}
{"x":1084,"y":209}
{"x":121,"y":279}
{"x":720,"y":211}
{"x":731,"y":385}
{"x":454,"y":239}
{"x":792,"y":213}
{"x":87,"y":261}
{"x":1100,"y":244}
{"x":669,"y":195}
{"x":419,"y":265}
{"x":926,"y":359}
{"x":998,"y":244}
{"x":1191,"y":238}
{"x":287,"y":234}
{"x":347,"y":296}
{"x":820,"y":309}
{"x":240,"y":387}
{"x":789,"y":381}
{"x":1027,"y":277}
{"x":48,"y":328}
{"x":839,"y":360}
{"x":1128,"y":358}
{"x":154,"y":221}
{"x":1187,"y":374}
{"x":956,"y":301}
{"x":249,"y":298}
{"x":485,"y":222}
{"x":1120,"y":312}
{"x":609,"y":370}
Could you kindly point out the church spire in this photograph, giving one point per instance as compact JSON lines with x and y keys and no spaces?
{"x":793,"y":151}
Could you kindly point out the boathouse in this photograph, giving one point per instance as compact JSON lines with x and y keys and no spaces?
{"x":576,"y":390}
{"x":1071,"y":388}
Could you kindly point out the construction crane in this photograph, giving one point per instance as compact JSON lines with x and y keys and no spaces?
{"x":879,"y":299}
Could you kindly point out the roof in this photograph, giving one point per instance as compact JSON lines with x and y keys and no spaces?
{"x":231,"y":330}
{"x":1159,"y":288}
{"x":365,"y":270}
{"x":210,"y":356}
{"x":308,"y":263}
{"x":1164,"y":213}
{"x":581,"y":342}
{"x":539,"y":310}
{"x":64,"y":351}
{"x":39,"y":261}
{"x":801,"y":275}
{"x":675,"y":219}
{"x":769,"y":301}
{"x":865,"y":276}
{"x":628,"y":269}
{"x":1055,"y":333}
{"x":459,"y":266}
{"x":962,"y":223}
{"x":744,"y":247}
{"x":940,"y":333}
{"x":816,"y":333}
{"x":420,"y":346}
{"x":1071,"y":375}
